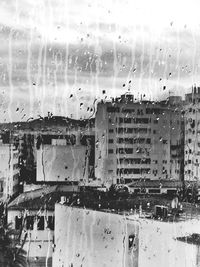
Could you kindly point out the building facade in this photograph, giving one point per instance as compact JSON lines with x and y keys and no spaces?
{"x":192,"y":135}
{"x":61,"y":163}
{"x":138,"y":140}
{"x":9,"y":170}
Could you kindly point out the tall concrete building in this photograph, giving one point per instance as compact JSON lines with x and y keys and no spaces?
{"x":9,"y":171}
{"x":192,"y":135}
{"x":138,"y":140}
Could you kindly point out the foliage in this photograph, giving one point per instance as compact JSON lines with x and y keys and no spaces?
{"x":12,"y":253}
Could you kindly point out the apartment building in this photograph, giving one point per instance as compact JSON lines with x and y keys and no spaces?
{"x":9,"y":171}
{"x":192,"y":135}
{"x":138,"y":139}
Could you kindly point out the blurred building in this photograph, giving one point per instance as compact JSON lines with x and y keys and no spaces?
{"x":9,"y":170}
{"x":192,"y":135}
{"x":138,"y":140}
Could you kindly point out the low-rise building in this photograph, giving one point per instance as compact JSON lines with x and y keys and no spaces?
{"x":32,"y":214}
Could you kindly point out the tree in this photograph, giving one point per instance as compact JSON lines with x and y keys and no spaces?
{"x":12,"y":253}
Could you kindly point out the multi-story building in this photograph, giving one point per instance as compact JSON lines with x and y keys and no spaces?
{"x":192,"y":135}
{"x":9,"y":170}
{"x":138,"y":140}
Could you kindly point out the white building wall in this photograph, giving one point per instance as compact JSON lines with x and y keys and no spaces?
{"x":90,"y":238}
{"x":61,"y":163}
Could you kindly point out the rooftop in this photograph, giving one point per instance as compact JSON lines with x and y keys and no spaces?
{"x":48,"y":196}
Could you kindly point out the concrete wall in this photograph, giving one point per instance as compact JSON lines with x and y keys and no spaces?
{"x":60,"y":163}
{"x":159,"y":248}
{"x":90,"y":238}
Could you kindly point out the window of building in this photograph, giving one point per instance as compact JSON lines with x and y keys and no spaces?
{"x":29,"y":222}
{"x":127,"y":120}
{"x":111,"y":130}
{"x":113,"y":109}
{"x":110,"y":151}
{"x":125,"y":110}
{"x":50,"y":222}
{"x":141,"y":120}
{"x":148,"y":141}
{"x":154,"y":191}
{"x":40,"y":222}
{"x":124,"y":150}
{"x":154,"y":131}
{"x":18,"y":222}
{"x":110,"y":141}
{"x":189,"y":140}
{"x":140,"y":130}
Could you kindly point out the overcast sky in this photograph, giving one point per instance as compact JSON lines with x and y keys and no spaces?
{"x":59,"y":55}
